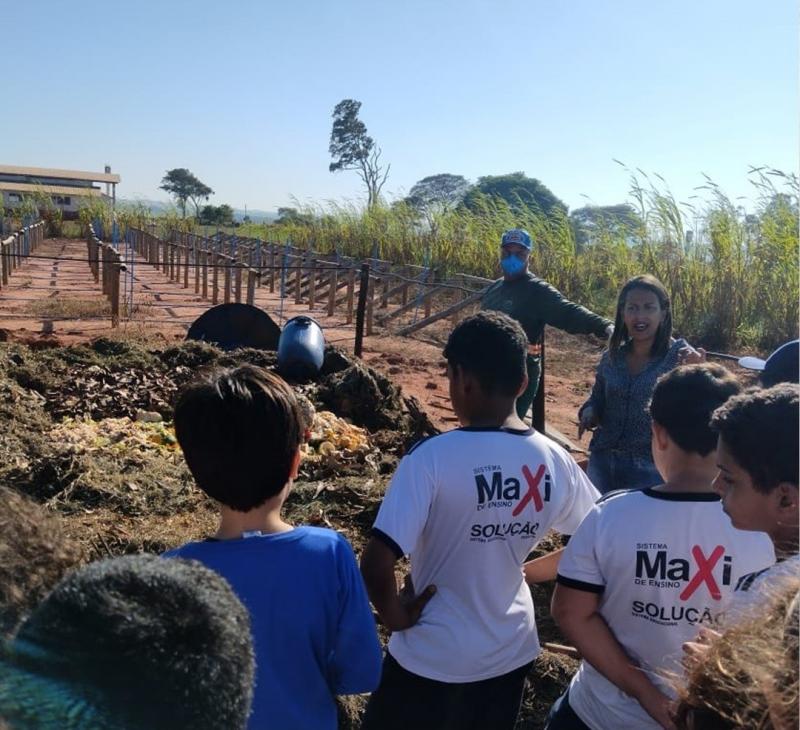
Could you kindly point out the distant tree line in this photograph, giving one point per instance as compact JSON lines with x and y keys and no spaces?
{"x":184,"y":186}
{"x":352,"y":148}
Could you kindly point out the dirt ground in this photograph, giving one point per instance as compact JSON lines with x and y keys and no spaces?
{"x":71,"y":389}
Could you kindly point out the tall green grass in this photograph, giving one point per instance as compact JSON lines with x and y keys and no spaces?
{"x":734,"y":279}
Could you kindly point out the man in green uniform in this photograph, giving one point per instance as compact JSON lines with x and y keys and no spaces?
{"x":534,"y":303}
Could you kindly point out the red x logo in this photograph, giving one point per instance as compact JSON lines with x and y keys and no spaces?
{"x":533,"y":490}
{"x":704,"y":574}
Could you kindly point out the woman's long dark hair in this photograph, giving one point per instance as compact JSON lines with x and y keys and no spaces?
{"x":621,"y":335}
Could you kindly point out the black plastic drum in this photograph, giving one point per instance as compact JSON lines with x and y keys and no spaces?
{"x":230,"y":326}
{"x":301,"y":349}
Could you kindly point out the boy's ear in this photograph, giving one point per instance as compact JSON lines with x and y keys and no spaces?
{"x":523,"y":386}
{"x":788,"y":497}
{"x":293,"y":472}
{"x":660,"y":436}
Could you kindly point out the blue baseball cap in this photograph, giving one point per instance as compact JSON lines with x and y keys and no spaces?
{"x":782,"y":366}
{"x":516,"y":235}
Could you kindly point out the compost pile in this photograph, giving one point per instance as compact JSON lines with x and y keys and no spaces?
{"x":87,"y":432}
{"x":91,"y":423}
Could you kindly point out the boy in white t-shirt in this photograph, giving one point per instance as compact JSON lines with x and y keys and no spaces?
{"x":757,"y":455}
{"x":647,"y":569}
{"x":468,"y":506}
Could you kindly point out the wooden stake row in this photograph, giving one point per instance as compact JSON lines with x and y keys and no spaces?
{"x":16,"y":247}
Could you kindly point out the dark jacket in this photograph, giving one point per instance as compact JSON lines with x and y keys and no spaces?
{"x":534,"y":303}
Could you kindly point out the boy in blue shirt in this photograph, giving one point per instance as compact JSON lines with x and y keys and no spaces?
{"x":313,"y":630}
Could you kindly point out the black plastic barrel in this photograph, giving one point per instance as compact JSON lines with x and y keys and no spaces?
{"x":234,"y":325}
{"x":301,"y":349}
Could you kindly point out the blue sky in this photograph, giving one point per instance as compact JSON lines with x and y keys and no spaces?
{"x":241,"y":93}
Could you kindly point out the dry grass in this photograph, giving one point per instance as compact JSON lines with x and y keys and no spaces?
{"x":62,"y":308}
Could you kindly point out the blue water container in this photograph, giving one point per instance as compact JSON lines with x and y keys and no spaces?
{"x":301,"y":349}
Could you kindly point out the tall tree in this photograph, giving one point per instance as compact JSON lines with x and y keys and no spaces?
{"x":592,"y":221}
{"x":221,"y":215}
{"x":437,"y":194}
{"x":353,"y":149}
{"x":292,"y":215}
{"x":517,"y":190}
{"x":443,"y":192}
{"x":183,"y":185}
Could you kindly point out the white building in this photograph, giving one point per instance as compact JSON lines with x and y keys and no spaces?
{"x":65,"y":187}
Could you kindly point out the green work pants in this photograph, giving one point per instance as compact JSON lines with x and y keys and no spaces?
{"x":525,"y":401}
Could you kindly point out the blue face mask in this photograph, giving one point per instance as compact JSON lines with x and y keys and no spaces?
{"x":512,"y":265}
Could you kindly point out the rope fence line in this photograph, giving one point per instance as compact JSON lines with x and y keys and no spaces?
{"x":336,"y":267}
{"x":226,"y":268}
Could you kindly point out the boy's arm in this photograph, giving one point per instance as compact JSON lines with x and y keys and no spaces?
{"x":377,"y":567}
{"x":543,"y":568}
{"x":355,"y":662}
{"x":576,"y":612}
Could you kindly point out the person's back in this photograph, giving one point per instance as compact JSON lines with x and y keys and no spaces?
{"x":646,"y":570}
{"x":313,"y":630}
{"x":468,"y":506}
{"x":486,"y":497}
{"x":667,"y":564}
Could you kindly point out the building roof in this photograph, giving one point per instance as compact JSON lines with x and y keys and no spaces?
{"x":53,"y":173}
{"x":51,"y":189}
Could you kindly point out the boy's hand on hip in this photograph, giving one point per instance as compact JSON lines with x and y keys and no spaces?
{"x":408,"y":608}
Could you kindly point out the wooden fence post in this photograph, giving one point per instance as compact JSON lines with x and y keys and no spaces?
{"x":204,"y":254}
{"x":362,"y":303}
{"x":271,"y":268}
{"x":371,"y":304}
{"x":252,"y":279}
{"x":298,"y":279}
{"x":312,"y":283}
{"x":333,"y":285}
{"x":385,"y":290}
{"x":115,"y":267}
{"x":429,"y":301}
{"x":214,"y":278}
{"x":226,"y":296}
{"x":196,"y":260}
{"x":238,"y":289}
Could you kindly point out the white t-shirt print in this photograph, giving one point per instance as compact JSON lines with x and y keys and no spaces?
{"x":665,"y":565}
{"x":468,"y":506}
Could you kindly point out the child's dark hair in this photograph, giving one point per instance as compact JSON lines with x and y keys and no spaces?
{"x":239,"y":430}
{"x":148,"y":641}
{"x":760,"y":429}
{"x":492,"y":347}
{"x":621,"y":334}
{"x":684,"y":399}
